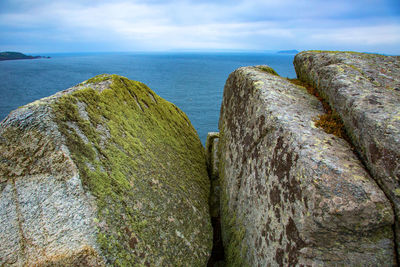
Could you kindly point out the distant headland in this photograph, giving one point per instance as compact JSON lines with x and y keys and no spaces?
{"x":17,"y":55}
{"x":288,"y":52}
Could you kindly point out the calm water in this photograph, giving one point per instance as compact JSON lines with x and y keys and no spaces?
{"x":192,"y":81}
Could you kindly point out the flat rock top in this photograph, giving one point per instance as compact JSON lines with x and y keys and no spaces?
{"x":368,"y":84}
{"x":381,"y":71}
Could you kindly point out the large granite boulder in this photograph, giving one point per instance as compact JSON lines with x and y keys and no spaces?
{"x":104,"y":173}
{"x":364,"y":89}
{"x":292,"y":194}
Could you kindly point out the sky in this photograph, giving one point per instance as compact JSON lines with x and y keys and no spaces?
{"x":34,"y":26}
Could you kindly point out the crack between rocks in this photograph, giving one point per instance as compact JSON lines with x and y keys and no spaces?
{"x":217,"y":258}
{"x":365,"y":166}
{"x":397,"y":257}
{"x":396,"y":247}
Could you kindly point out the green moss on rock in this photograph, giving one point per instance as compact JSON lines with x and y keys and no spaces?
{"x":233,"y":230}
{"x":267,"y":69}
{"x":144,"y":163}
{"x":98,"y":78}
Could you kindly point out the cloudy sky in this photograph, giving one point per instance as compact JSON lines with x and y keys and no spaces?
{"x":35,"y":26}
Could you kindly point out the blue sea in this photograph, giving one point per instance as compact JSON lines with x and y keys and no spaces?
{"x":192,"y":81}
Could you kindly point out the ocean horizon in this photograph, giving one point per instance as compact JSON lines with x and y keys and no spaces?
{"x":193,"y":81}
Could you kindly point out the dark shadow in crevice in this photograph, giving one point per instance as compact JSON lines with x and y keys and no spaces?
{"x":217,"y":258}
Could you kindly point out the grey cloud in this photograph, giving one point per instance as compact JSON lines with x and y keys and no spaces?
{"x":189,"y":24}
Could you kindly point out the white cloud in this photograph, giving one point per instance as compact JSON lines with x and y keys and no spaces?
{"x":185,"y":24}
{"x":367,"y":35}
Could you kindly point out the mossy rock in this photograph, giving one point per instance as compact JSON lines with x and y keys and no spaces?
{"x":139,"y":173}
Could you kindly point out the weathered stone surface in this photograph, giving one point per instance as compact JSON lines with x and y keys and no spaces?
{"x":291,"y":193}
{"x":104,"y":173}
{"x":364,"y":89}
{"x":212,"y":154}
{"x":212,"y":165}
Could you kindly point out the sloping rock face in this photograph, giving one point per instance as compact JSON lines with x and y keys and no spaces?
{"x":364,"y":89}
{"x":292,"y":194}
{"x":104,"y":173}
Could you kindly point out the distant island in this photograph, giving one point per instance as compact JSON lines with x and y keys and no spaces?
{"x":17,"y":55}
{"x":288,"y":52}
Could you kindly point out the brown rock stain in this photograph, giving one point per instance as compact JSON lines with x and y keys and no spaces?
{"x":296,"y":243}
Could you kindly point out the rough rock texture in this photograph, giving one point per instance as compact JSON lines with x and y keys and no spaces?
{"x":212,"y":165}
{"x":104,"y":173}
{"x":364,"y":89}
{"x":212,"y":154}
{"x":291,"y":193}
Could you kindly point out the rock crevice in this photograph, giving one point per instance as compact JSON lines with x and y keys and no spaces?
{"x":107,"y":173}
{"x":364,"y":89}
